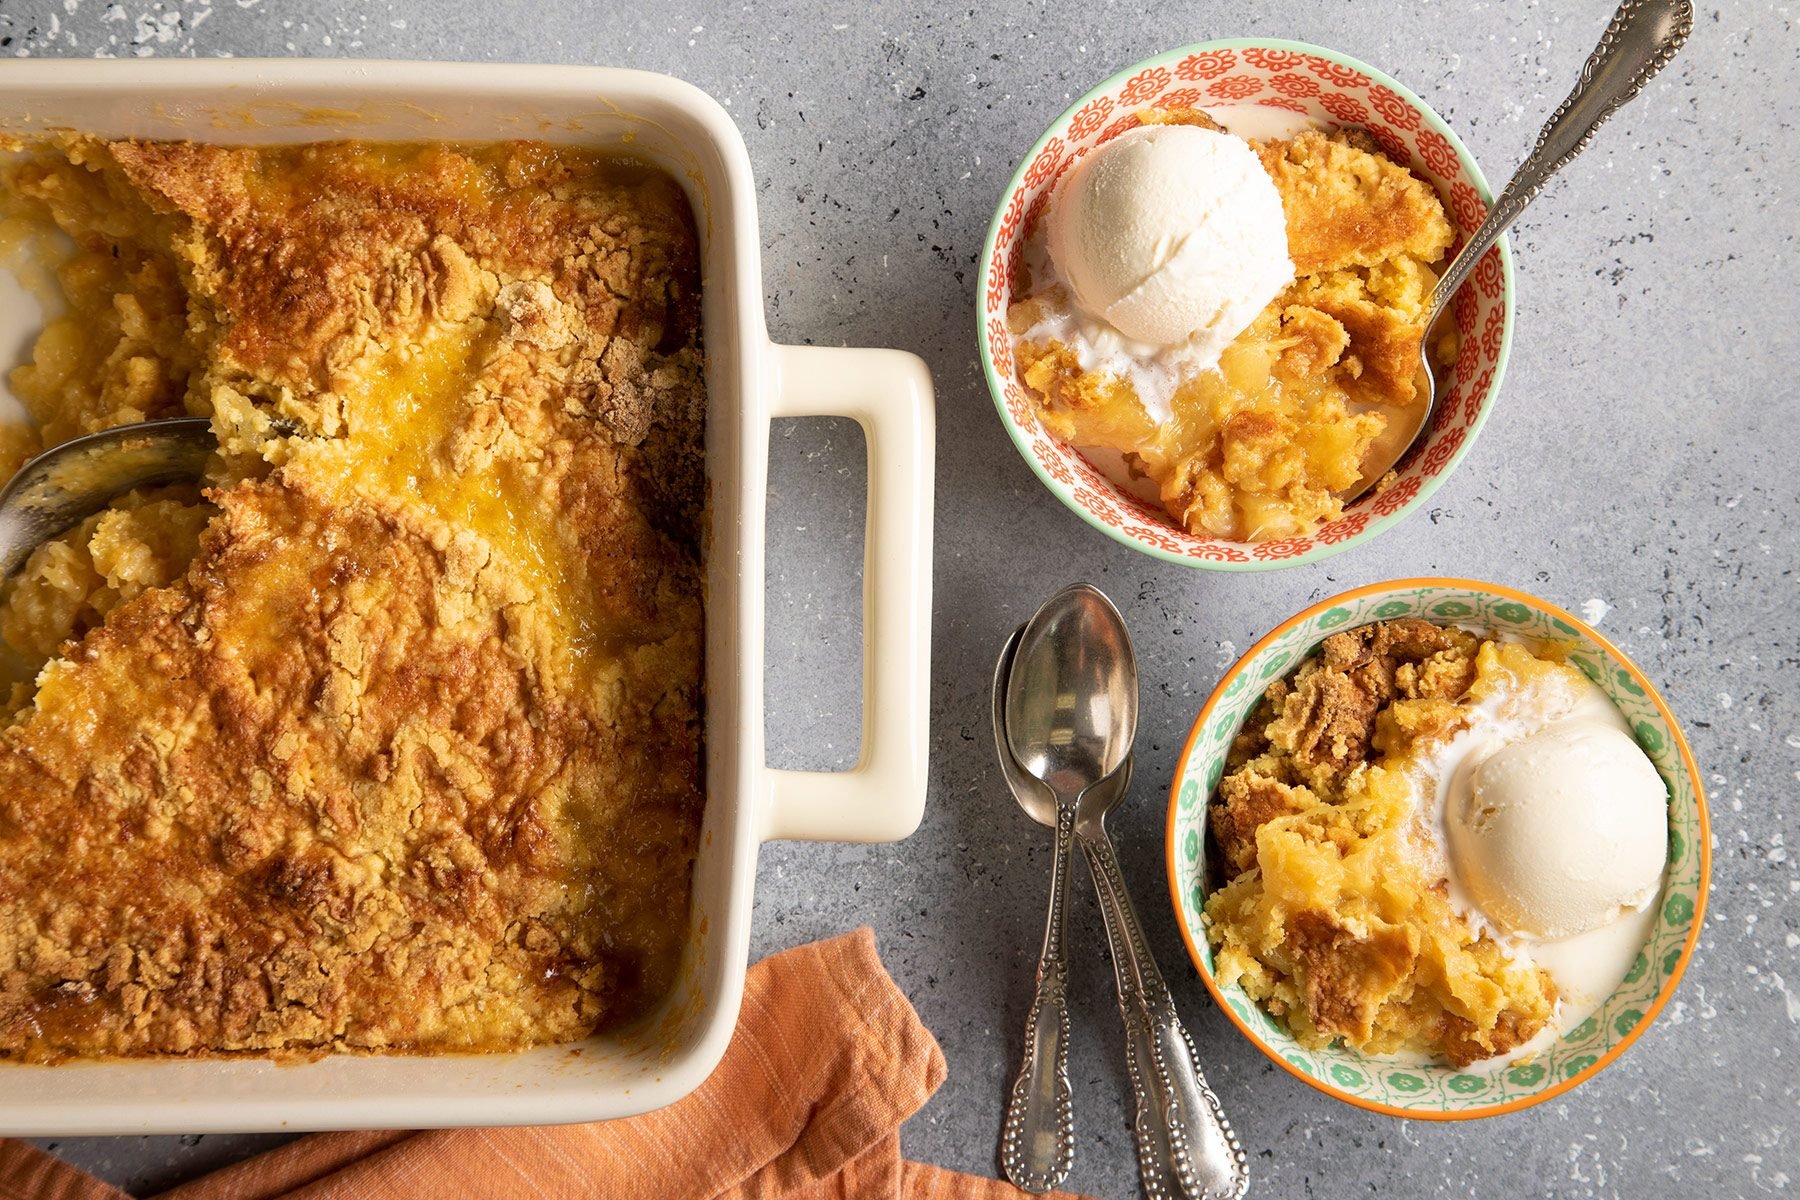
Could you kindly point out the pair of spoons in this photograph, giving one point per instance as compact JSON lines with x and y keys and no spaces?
{"x":1065,"y":714}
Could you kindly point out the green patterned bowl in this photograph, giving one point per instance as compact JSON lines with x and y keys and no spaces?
{"x":1445,"y":1093}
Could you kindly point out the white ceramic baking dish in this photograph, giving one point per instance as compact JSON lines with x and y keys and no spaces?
{"x":750,"y":380}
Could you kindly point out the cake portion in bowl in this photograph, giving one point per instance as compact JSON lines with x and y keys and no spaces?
{"x":1251,"y":405}
{"x":388,"y":739}
{"x":1367,"y":830}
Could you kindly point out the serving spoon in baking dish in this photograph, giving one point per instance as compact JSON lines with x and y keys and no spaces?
{"x":66,"y":484}
{"x":1639,"y":41}
{"x":1065,"y":715}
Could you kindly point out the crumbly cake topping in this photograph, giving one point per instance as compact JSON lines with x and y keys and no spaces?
{"x":402,"y":751}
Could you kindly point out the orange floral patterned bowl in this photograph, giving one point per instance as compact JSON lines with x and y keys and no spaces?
{"x":1333,"y":90}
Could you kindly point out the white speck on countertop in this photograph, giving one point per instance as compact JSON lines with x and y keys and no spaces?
{"x":1680,"y":1012}
{"x":1594,"y":610}
{"x":1775,"y":983}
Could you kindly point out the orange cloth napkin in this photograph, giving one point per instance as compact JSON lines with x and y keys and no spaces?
{"x":827,"y":1061}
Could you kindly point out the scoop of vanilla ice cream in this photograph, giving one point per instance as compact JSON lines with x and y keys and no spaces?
{"x":1171,"y":232}
{"x":1560,"y":831}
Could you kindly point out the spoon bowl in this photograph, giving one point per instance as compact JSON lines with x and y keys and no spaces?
{"x":1038,"y":801}
{"x":59,"y":488}
{"x":1071,"y":697}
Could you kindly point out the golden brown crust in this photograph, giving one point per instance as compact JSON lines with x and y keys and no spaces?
{"x":408,"y":756}
{"x":1362,"y":231}
{"x":1350,"y":206}
{"x":1180,"y":116}
{"x":306,"y":245}
{"x":1350,"y":976}
{"x":1324,"y":722}
{"x":1246,"y":802}
{"x":1312,"y":342}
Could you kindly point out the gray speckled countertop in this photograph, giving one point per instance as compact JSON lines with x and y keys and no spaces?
{"x":1641,"y":466}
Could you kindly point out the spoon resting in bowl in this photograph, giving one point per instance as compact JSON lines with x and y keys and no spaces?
{"x":1639,"y":41}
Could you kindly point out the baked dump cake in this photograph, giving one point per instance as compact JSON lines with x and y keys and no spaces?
{"x":1336,"y":913}
{"x":1237,"y":319}
{"x":388,"y":739}
{"x":1435,"y":843}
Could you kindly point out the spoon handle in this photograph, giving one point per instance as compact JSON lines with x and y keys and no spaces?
{"x":1186,"y":1147}
{"x":1641,"y":38}
{"x":1037,"y":1145}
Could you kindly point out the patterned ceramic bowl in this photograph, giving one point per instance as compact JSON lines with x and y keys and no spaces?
{"x":1444,"y":1093}
{"x":1332,"y":89}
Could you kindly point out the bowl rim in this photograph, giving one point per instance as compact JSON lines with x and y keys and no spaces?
{"x":1677,"y":736}
{"x":1378,"y":524}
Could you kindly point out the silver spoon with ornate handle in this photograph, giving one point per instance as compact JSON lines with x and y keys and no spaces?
{"x":1037,"y":1142}
{"x":1639,"y":41}
{"x":1186,"y":1147}
{"x":1156,"y":1158}
{"x":1060,"y":704}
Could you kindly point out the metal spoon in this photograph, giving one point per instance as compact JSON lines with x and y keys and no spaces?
{"x":1037,"y":1143}
{"x":1046,"y":742}
{"x":65,"y":484}
{"x":1186,"y":1147}
{"x":1639,"y":41}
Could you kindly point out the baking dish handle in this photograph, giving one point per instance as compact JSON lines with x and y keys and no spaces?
{"x":888,"y":393}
